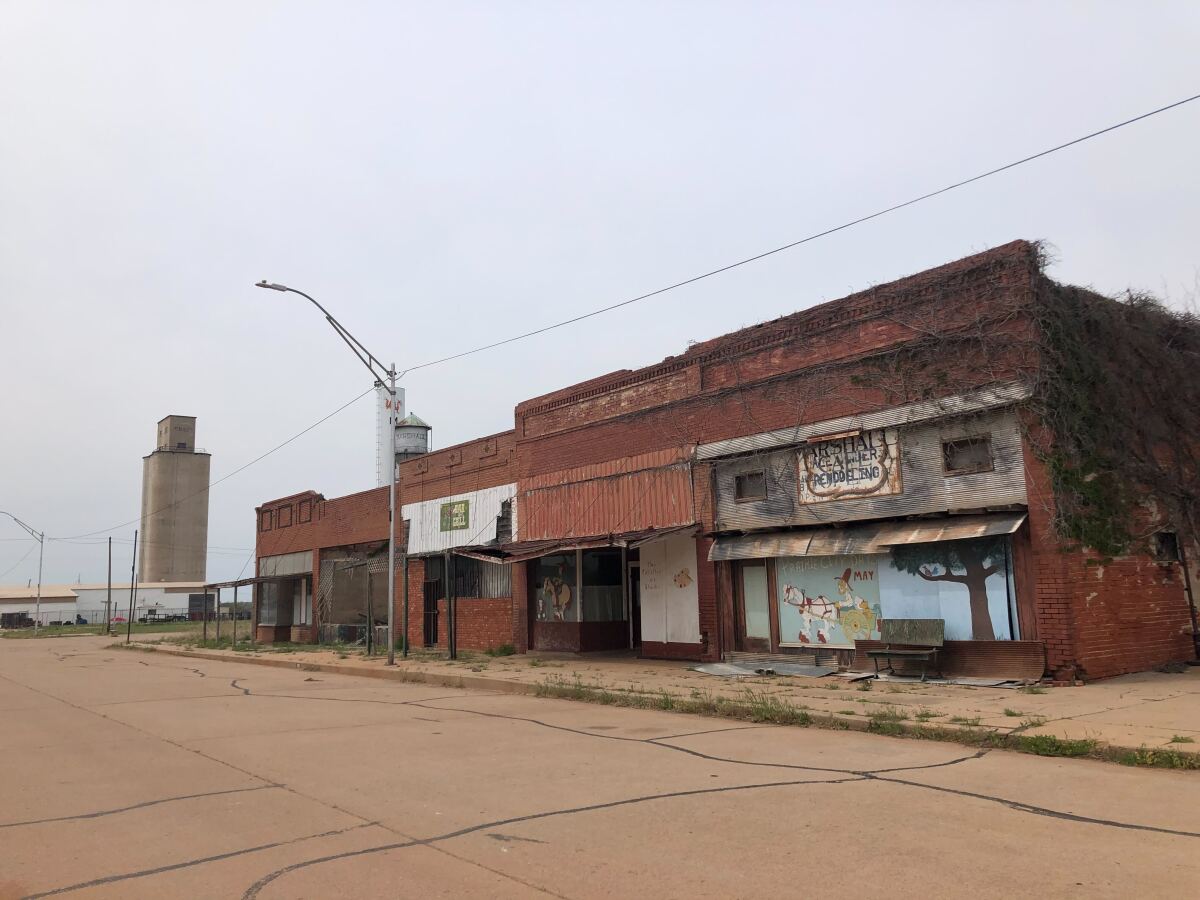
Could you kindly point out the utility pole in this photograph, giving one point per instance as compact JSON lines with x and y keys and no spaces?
{"x":132,"y":588}
{"x":108,"y":601}
{"x":385,"y":376}
{"x":40,"y":537}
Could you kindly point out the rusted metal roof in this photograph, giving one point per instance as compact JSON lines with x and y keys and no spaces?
{"x":652,"y":498}
{"x":875,"y":537}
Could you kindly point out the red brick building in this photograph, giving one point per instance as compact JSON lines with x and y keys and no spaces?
{"x":787,"y":488}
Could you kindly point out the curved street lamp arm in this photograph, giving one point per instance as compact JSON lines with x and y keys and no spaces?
{"x":351,"y":341}
{"x":34,"y":533}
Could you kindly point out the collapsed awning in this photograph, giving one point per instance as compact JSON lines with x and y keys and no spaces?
{"x":873,"y":537}
{"x":520,"y":551}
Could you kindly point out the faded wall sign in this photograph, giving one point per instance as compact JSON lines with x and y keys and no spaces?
{"x":456,"y":515}
{"x":860,"y":465}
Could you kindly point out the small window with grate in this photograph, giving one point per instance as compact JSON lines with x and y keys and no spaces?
{"x":966,"y":456}
{"x":750,"y":486}
{"x":1165,"y":545}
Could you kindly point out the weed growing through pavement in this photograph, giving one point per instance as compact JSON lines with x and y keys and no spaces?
{"x":1181,"y":739}
{"x":1160,"y":758}
{"x":1013,"y":713}
{"x":964,"y":720}
{"x":1049,"y":745}
{"x":1032,"y":689}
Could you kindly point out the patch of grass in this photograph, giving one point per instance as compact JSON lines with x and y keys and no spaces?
{"x":1159,"y":759}
{"x":769,"y":708}
{"x":1050,"y":745}
{"x":118,"y":630}
{"x":502,"y":650}
{"x":886,"y":721}
{"x":1032,"y":689}
{"x":1013,"y":713}
{"x":864,"y":685}
{"x":1181,"y":739}
{"x":884,"y":726}
{"x":1033,"y":722}
{"x":924,"y":714}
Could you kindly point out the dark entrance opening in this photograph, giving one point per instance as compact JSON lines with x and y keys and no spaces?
{"x":433,"y":591}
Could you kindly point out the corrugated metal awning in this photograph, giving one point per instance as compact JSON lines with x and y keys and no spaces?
{"x":522,"y":551}
{"x":958,"y":528}
{"x":874,"y":537}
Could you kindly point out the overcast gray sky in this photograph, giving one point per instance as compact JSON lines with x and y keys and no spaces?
{"x":444,"y":174}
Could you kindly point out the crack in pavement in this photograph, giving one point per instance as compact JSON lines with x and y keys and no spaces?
{"x":254,"y":889}
{"x":847,"y":776}
{"x":217,"y":857}
{"x":143,"y":805}
{"x":1041,"y":810}
{"x":659,"y":742}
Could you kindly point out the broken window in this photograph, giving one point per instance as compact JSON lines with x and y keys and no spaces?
{"x":966,"y":456}
{"x":750,"y":486}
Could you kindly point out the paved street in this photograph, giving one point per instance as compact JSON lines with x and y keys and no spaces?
{"x":144,"y":775}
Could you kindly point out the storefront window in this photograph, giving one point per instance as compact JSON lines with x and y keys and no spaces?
{"x":555,"y":581}
{"x":836,"y":600}
{"x":603,"y":600}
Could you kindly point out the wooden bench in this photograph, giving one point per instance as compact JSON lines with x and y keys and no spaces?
{"x":919,"y":639}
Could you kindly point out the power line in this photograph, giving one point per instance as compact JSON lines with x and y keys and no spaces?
{"x":17,"y":563}
{"x":805,"y":240}
{"x":226,"y":477}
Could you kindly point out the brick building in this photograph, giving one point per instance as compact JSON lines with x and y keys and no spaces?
{"x":785,"y":488}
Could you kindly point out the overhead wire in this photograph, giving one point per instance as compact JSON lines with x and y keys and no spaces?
{"x":18,"y":562}
{"x":674,"y":286}
{"x":812,"y":237}
{"x":225,"y":477}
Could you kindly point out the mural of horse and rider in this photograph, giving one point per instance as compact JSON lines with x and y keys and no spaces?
{"x":836,"y":600}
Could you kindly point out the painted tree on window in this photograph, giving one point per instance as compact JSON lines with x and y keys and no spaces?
{"x":969,"y":563}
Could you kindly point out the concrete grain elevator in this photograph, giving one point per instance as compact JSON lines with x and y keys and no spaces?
{"x":174,"y":541}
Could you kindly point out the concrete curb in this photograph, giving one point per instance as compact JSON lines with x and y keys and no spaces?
{"x":1105,"y":752}
{"x":406,"y":676}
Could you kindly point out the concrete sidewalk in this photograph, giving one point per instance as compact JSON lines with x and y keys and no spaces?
{"x":1154,"y":714}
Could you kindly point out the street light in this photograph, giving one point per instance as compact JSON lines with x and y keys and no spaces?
{"x":387,"y":377}
{"x":40,"y":537}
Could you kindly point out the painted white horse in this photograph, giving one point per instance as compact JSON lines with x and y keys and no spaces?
{"x":819,"y":611}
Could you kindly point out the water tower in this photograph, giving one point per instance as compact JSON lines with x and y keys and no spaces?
{"x":412,"y":438}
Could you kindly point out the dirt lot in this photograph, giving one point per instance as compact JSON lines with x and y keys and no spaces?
{"x":145,"y":775}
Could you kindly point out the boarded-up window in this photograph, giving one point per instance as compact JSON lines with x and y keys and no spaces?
{"x":965,"y":456}
{"x":474,"y":578}
{"x":750,"y":486}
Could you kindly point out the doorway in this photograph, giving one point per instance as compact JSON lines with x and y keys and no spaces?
{"x":635,"y":604}
{"x":432,"y":592}
{"x":753,"y":606}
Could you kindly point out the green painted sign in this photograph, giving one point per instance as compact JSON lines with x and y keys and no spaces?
{"x":456,"y":515}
